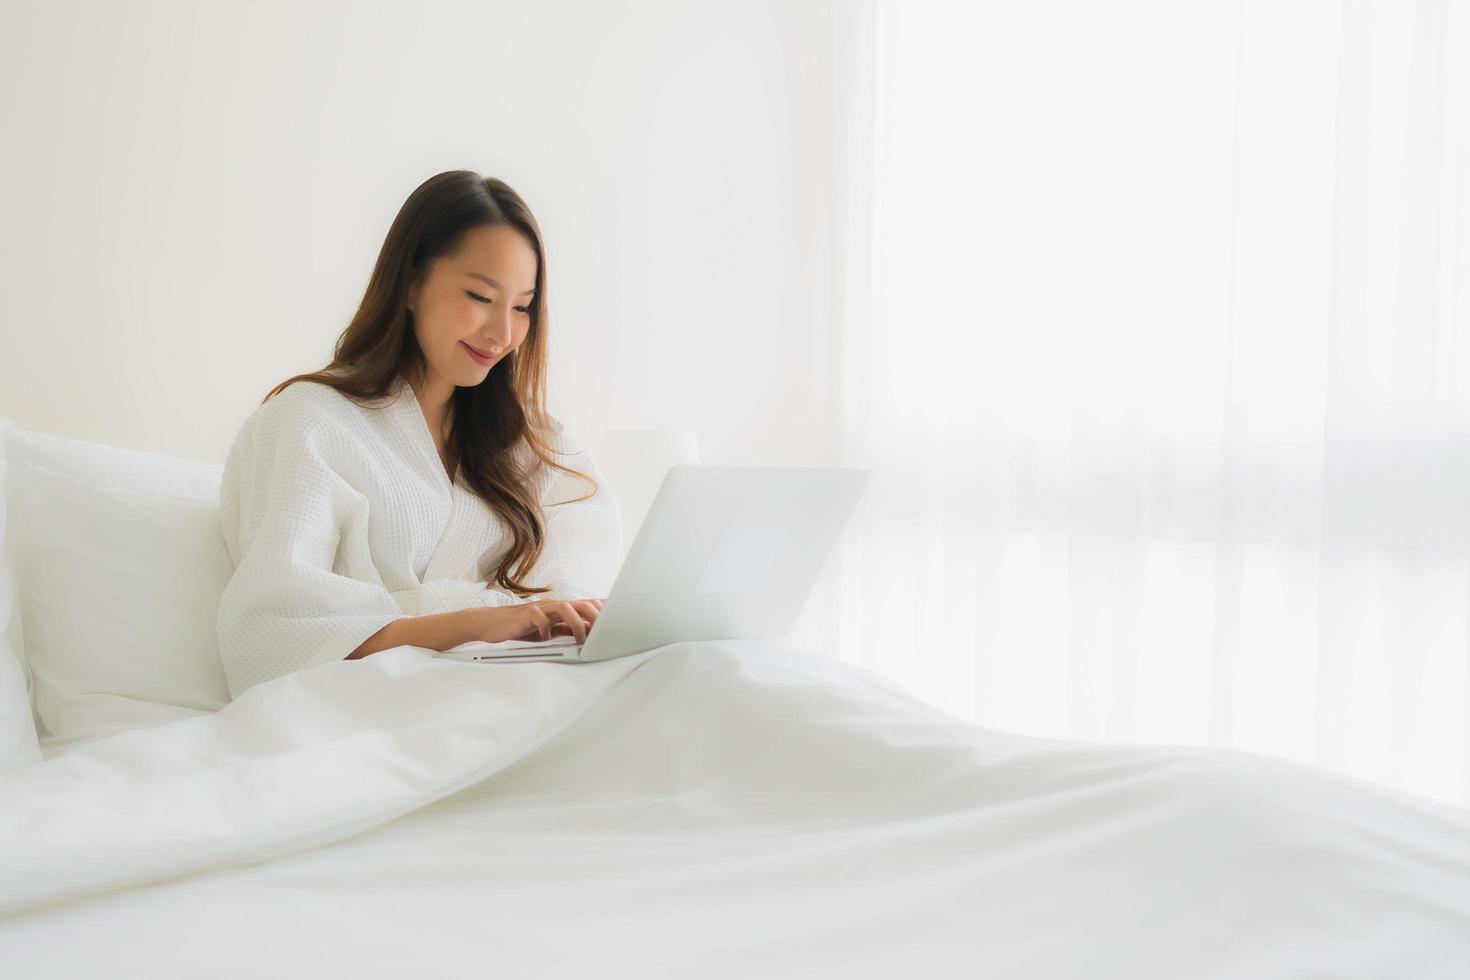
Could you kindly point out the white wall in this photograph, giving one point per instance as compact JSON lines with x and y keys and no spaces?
{"x":192,"y":196}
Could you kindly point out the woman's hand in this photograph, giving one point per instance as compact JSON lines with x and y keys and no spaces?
{"x":539,"y":619}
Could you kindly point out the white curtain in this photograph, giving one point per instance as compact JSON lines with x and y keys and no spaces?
{"x":1156,"y":328}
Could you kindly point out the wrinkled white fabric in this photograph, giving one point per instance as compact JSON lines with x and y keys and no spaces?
{"x":713,"y":809}
{"x":340,"y":518}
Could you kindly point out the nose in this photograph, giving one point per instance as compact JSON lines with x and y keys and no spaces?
{"x":497,"y":334}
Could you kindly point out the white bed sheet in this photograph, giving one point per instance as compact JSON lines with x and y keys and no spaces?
{"x":710,"y":809}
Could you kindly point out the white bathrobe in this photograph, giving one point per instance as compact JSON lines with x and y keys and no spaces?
{"x":341,"y":518}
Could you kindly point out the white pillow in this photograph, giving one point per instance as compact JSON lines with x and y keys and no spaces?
{"x":19,"y":744}
{"x":120,"y":564}
{"x":112,"y":467}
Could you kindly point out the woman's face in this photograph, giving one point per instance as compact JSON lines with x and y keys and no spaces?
{"x":480,"y":299}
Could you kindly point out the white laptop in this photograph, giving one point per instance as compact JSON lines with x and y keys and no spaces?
{"x":724,"y":552}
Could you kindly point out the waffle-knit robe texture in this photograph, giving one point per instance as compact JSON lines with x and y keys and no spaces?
{"x":340,"y":519}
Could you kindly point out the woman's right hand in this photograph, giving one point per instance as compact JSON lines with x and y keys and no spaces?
{"x":539,"y":619}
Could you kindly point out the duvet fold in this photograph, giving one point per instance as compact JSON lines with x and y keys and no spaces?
{"x":300,"y":761}
{"x":827,"y":805}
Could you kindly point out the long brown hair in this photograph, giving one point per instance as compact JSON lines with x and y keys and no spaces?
{"x":488,"y":420}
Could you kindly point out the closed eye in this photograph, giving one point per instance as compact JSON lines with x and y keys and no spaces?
{"x":485,"y":299}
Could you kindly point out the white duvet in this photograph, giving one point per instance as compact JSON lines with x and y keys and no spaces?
{"x":708,"y":809}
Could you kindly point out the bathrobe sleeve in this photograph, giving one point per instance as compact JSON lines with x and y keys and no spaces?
{"x":584,"y":539}
{"x":304,"y":591}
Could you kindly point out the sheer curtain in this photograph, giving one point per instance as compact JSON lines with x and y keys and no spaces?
{"x":1156,"y":328}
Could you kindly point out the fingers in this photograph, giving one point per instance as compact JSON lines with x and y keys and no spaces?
{"x":577,"y":615}
{"x":571,"y":614}
{"x":540,"y":622}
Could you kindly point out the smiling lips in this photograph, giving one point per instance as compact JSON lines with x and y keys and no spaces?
{"x":477,"y":353}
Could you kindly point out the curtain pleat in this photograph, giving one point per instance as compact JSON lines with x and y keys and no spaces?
{"x":1155,"y":324}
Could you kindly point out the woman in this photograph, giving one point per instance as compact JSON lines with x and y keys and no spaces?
{"x":404,"y":493}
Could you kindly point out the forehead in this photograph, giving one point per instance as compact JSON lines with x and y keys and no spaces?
{"x":500,"y":252}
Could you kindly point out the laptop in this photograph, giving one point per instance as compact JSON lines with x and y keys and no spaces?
{"x":724,"y":552}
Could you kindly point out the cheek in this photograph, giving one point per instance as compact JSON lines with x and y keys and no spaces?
{"x":444,"y":333}
{"x":460,"y":323}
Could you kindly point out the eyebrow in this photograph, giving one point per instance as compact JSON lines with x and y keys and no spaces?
{"x":496,"y":284}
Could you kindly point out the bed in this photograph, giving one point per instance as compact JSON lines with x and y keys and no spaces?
{"x":731,"y":808}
